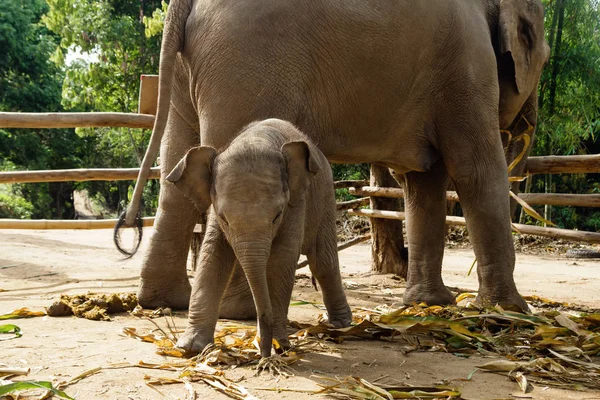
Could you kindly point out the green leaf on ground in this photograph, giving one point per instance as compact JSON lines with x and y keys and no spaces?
{"x":25,"y":385}
{"x":10,"y":329}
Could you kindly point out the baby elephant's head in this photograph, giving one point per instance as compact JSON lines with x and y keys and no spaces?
{"x":250,"y":184}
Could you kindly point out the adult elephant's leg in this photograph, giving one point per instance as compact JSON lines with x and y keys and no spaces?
{"x":425,"y":203}
{"x":163,"y":280}
{"x":238,"y":303}
{"x":480,"y":174}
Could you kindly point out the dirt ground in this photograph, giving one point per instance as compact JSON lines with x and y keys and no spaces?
{"x":37,"y":266}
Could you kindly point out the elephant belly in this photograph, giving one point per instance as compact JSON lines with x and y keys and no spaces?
{"x":345,"y":75}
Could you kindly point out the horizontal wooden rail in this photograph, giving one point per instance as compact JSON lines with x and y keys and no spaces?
{"x":342,"y":246}
{"x":349,"y":184}
{"x":562,"y":199}
{"x":75,"y":120}
{"x":64,"y":224}
{"x":563,"y":164}
{"x":77,"y":175}
{"x":554,"y":199}
{"x":556,"y":233}
{"x":345,"y":205}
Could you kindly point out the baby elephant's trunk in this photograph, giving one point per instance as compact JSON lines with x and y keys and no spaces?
{"x":253,"y":255}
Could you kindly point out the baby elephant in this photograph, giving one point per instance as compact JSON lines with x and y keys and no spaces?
{"x":272,"y":199}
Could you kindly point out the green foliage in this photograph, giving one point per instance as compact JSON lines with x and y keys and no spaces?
{"x":112,"y":37}
{"x":155,"y":24}
{"x":348,"y":172}
{"x":29,"y":82}
{"x":569,"y":117}
{"x":12,"y":206}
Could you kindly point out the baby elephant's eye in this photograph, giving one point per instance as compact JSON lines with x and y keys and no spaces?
{"x":277,"y":216}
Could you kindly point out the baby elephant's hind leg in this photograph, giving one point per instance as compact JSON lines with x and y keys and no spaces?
{"x":325,"y":267}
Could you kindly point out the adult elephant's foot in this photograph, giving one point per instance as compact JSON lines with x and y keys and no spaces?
{"x":194,"y":340}
{"x":507,"y":298}
{"x":431,"y":295}
{"x":340,"y":318}
{"x":154,"y":293}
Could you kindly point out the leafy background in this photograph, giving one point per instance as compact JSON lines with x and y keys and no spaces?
{"x":87,"y":55}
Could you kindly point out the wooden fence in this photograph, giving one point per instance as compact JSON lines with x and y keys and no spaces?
{"x":535,"y":165}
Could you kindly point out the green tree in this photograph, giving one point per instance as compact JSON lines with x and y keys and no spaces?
{"x":29,"y":82}
{"x":110,"y":34}
{"x":569,"y":119}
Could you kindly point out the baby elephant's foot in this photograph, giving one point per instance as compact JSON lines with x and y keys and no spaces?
{"x":194,"y":341}
{"x":275,"y":365}
{"x":284,"y":343}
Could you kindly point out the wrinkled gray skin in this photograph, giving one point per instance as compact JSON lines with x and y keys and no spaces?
{"x":420,"y":86}
{"x":272,"y":199}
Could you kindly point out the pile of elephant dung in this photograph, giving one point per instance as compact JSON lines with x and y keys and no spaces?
{"x":93,"y":306}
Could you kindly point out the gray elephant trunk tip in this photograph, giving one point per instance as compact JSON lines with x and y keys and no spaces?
{"x":139,"y":230}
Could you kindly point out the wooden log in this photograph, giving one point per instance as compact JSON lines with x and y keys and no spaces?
{"x":555,"y":199}
{"x":148,"y":94}
{"x":375,"y":191}
{"x":563,"y":164}
{"x":346,"y":205}
{"x":64,"y":224}
{"x":75,"y":120}
{"x":556,"y":233}
{"x":388,"y":254}
{"x":77,"y":175}
{"x":348,"y":184}
{"x":342,"y":246}
{"x":562,"y":199}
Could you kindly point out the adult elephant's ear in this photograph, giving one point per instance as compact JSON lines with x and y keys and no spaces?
{"x":301,"y":164}
{"x":521,"y":35}
{"x":192,"y":175}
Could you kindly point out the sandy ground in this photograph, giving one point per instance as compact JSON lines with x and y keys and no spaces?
{"x":37,"y":266}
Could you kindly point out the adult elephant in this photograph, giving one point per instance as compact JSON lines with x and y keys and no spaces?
{"x":417,"y":86}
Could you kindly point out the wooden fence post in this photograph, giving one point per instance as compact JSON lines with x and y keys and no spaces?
{"x":387,"y":249}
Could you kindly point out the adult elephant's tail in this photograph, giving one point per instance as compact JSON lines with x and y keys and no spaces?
{"x":172,"y":43}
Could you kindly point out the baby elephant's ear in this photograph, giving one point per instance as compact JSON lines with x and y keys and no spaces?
{"x":192,"y":175}
{"x":301,"y":164}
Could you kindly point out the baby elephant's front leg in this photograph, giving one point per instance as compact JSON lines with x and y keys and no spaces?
{"x":281,"y":275}
{"x":212,"y":276}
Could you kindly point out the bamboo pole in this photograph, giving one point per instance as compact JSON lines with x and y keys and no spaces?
{"x":75,"y":120}
{"x":563,"y":164}
{"x":64,"y":224}
{"x":556,"y":233}
{"x":78,"y":175}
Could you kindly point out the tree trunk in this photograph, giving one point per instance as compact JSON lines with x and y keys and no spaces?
{"x":388,"y":252}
